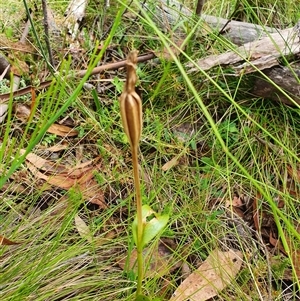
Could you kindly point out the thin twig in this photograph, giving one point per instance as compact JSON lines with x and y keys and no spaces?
{"x":117,"y":65}
{"x":36,"y":36}
{"x":46,"y":28}
{"x":199,"y":7}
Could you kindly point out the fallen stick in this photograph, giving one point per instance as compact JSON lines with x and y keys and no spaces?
{"x":111,"y":66}
{"x":253,"y":56}
{"x":263,"y":55}
{"x":261,"y":47}
{"x":169,"y":14}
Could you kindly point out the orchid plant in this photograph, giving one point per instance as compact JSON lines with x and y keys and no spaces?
{"x":144,"y":230}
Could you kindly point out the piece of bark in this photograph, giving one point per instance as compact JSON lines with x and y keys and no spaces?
{"x":283,"y":77}
{"x":4,"y":67}
{"x":19,"y":68}
{"x":74,"y":14}
{"x":168,"y":14}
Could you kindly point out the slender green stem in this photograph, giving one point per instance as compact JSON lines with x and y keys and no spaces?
{"x":138,"y":198}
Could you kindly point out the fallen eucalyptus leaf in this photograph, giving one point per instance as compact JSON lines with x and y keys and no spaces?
{"x":62,"y":130}
{"x":214,"y":274}
{"x":83,"y":228}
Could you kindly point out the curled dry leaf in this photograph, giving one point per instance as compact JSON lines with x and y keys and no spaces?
{"x":17,"y":46}
{"x":296,"y":261}
{"x":170,"y":164}
{"x":52,"y":167}
{"x":43,"y":164}
{"x":19,"y":67}
{"x":80,"y":176}
{"x":80,"y":169}
{"x":62,"y":130}
{"x":256,"y":215}
{"x":214,"y":274}
{"x":85,"y":232}
{"x":6,"y":242}
{"x":22,"y":111}
{"x":82,"y":228}
{"x":294,"y":251}
{"x":62,"y":182}
{"x":176,"y":48}
{"x":86,"y":185}
{"x":294,"y":173}
{"x":234,"y":202}
{"x":55,"y":148}
{"x":92,"y":193}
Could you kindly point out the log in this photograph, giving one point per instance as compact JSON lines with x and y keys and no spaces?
{"x":259,"y":53}
{"x":172,"y":15}
{"x":262,"y":58}
{"x":238,"y":32}
{"x":253,"y":56}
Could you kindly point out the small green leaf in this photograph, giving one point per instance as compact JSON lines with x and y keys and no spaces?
{"x":153,"y":224}
{"x":154,"y":227}
{"x":119,"y":85}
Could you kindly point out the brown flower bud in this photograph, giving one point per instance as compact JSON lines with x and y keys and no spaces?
{"x":131,"y":104}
